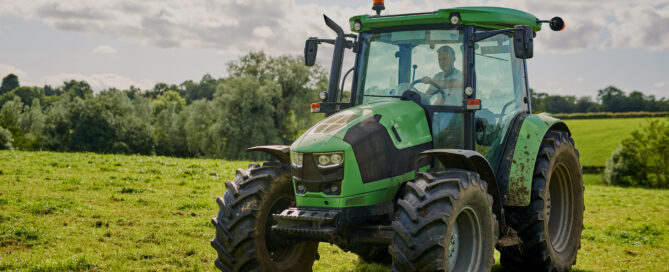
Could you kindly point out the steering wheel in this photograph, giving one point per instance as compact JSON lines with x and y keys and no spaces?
{"x":436,"y":98}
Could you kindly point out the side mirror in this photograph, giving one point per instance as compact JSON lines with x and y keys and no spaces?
{"x":310,"y":50}
{"x":523,"y":42}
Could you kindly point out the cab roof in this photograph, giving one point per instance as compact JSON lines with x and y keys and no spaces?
{"x":489,"y":17}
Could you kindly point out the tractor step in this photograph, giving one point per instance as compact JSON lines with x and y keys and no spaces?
{"x":301,"y":223}
{"x":315,"y":216}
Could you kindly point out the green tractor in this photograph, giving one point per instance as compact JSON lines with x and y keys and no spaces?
{"x":433,"y":161}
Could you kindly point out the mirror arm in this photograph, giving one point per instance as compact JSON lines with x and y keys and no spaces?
{"x":329,"y":41}
{"x":484,"y":35}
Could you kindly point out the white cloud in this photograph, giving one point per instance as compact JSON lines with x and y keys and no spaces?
{"x":9,"y":69}
{"x":104,"y":49}
{"x":659,"y":84}
{"x":98,"y":82}
{"x":281,"y":26}
{"x":263,"y":32}
{"x":641,"y":26}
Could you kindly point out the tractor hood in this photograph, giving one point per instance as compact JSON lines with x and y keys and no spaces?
{"x":407,"y":118}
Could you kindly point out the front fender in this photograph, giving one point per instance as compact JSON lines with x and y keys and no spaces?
{"x":468,"y":160}
{"x":280,"y":152}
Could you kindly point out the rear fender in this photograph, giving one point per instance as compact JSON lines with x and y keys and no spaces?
{"x":280,"y":152}
{"x":521,"y":168}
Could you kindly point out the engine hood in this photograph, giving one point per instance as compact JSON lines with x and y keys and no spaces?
{"x":407,"y":118}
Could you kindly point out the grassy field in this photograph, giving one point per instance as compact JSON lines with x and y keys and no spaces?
{"x":61,"y":211}
{"x":596,"y":139}
{"x":92,"y":212}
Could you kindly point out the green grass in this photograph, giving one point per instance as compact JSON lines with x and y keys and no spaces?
{"x":596,"y":139}
{"x":87,"y":212}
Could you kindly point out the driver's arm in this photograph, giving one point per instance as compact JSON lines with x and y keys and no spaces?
{"x":443,"y":84}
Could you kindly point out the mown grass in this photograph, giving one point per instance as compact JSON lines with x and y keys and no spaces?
{"x":596,"y":139}
{"x":88,"y":212}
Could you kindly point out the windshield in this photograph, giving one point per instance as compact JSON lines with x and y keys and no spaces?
{"x":428,"y":62}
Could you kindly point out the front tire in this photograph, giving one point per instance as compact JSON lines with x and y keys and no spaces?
{"x":445,"y":223}
{"x":244,"y":240}
{"x":550,"y":227}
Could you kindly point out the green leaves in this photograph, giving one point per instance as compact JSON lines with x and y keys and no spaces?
{"x":642,"y":159}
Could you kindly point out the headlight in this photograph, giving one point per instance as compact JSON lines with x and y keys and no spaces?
{"x":329,"y":159}
{"x":301,"y":189}
{"x":296,"y":159}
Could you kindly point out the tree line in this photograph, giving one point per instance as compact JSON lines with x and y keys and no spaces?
{"x":609,"y":99}
{"x":264,"y":100}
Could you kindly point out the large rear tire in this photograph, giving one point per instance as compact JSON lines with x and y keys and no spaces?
{"x":244,"y":240}
{"x":550,"y":227}
{"x":445,"y":223}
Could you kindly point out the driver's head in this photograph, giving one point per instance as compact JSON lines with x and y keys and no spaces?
{"x":446,"y":58}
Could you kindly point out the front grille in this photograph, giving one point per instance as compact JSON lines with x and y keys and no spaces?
{"x":315,"y":179}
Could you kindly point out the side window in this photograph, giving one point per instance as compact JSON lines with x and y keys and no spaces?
{"x":500,"y":84}
{"x":382,"y":66}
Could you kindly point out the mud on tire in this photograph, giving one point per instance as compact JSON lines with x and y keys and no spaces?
{"x":427,"y":237}
{"x":244,"y":241}
{"x":550,"y":227}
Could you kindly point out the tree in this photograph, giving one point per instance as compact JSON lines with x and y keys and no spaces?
{"x":10,"y":119}
{"x":58,"y":124}
{"x":34,"y":124}
{"x":585,"y":104}
{"x":612,"y":99}
{"x":79,"y":89}
{"x":27,"y":94}
{"x":6,"y":139}
{"x":10,"y":82}
{"x":299,"y":84}
{"x":248,"y":116}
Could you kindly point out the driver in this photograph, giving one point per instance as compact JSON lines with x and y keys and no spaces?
{"x":449,"y":80}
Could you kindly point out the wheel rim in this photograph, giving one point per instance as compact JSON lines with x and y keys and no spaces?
{"x":279,"y":250}
{"x":559,"y":207}
{"x":464,"y":247}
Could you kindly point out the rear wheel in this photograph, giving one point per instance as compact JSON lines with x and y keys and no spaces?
{"x":244,"y":239}
{"x":550,"y":227}
{"x":444,"y":223}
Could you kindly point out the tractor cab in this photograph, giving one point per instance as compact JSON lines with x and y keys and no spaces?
{"x":464,"y":66}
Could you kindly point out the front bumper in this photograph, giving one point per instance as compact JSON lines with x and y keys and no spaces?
{"x":338,"y":225}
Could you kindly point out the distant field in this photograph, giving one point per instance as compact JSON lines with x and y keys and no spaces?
{"x":596,"y":139}
{"x":87,"y":212}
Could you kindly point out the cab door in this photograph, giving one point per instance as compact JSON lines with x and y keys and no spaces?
{"x":501,"y":87}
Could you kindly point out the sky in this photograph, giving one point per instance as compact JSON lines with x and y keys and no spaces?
{"x":624,"y":43}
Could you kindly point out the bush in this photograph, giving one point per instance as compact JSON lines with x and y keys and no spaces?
{"x":642,"y":160}
{"x":6,"y":139}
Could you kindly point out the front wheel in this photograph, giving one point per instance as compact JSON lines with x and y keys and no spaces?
{"x":244,"y":240}
{"x":445,"y":223}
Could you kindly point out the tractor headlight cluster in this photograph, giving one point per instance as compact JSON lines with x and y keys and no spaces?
{"x":296,"y":159}
{"x":329,"y":159}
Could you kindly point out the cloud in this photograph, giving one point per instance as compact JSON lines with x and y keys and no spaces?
{"x":104,"y":49}
{"x":640,"y":27}
{"x":8,"y":69}
{"x":281,"y":26}
{"x":98,"y":82}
